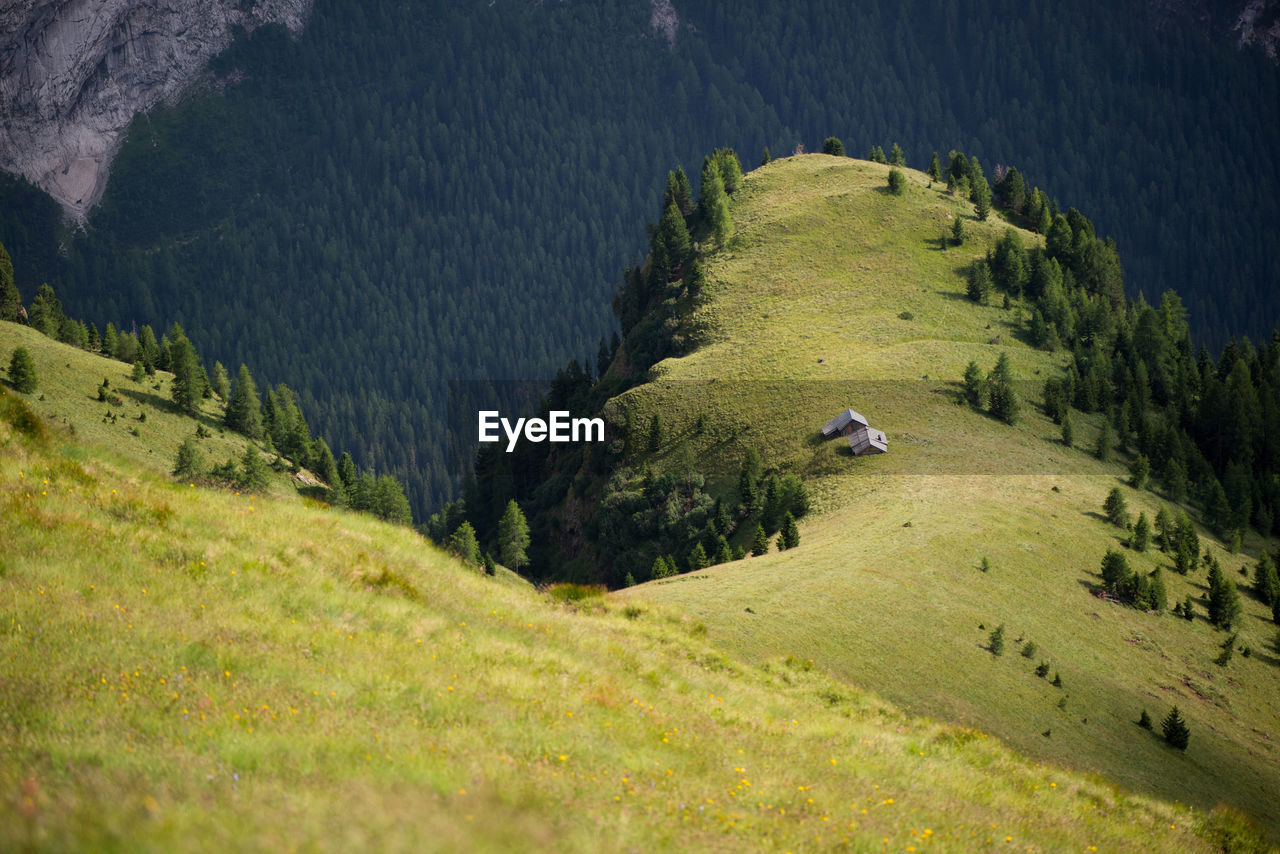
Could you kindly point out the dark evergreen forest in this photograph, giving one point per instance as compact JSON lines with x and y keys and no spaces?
{"x":414,"y":193}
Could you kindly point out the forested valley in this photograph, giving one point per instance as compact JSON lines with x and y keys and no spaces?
{"x":412,"y":194}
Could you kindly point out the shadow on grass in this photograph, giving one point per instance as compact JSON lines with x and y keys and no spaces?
{"x":167,"y":405}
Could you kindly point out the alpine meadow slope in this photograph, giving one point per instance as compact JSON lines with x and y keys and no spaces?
{"x":835,"y":293}
{"x":184,"y":667}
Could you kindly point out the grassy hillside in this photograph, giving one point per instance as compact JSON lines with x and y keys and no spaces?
{"x":195,"y":669}
{"x":836,"y":294}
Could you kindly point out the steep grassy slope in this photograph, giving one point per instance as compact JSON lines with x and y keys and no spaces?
{"x":194,"y":669}
{"x":836,"y":294}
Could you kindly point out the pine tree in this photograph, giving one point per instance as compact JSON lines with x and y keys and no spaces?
{"x":1068,"y":433}
{"x":513,"y":537}
{"x":833,"y":146}
{"x":1164,"y":530}
{"x":188,"y":385}
{"x":876,"y":155}
{"x":713,"y":203}
{"x":244,"y":411}
{"x":897,"y":182}
{"x":1224,"y":599}
{"x":661,"y":568}
{"x":1002,"y":400}
{"x":995,"y":641}
{"x":1102,"y":450}
{"x":1141,"y":537}
{"x":253,"y":469}
{"x":679,"y":192}
{"x":1144,"y":720}
{"x":1116,"y":509}
{"x":655,"y":432}
{"x":724,"y":554}
{"x":22,"y":371}
{"x":1139,"y":471}
{"x":698,"y":558}
{"x":896,"y":157}
{"x":491,"y":568}
{"x":759,"y":542}
{"x":1158,"y":596}
{"x":978,"y":285}
{"x":325,"y":467}
{"x":10,"y":299}
{"x":463,"y":544}
{"x":790,"y":537}
{"x":1266,"y":582}
{"x":973,"y":384}
{"x":957,"y":231}
{"x":1116,"y":574}
{"x":935,"y":171}
{"x":1175,"y":731}
{"x":766,"y":157}
{"x":730,"y":168}
{"x":189,"y":464}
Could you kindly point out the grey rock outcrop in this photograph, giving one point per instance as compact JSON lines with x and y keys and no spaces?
{"x":74,"y":73}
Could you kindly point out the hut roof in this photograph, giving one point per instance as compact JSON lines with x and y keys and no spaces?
{"x":835,"y":425}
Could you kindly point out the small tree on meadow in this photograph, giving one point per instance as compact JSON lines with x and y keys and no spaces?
{"x":790,"y":537}
{"x":1115,"y":508}
{"x":1068,"y":432}
{"x":698,"y":558}
{"x":1002,"y":400}
{"x":957,"y":231}
{"x":759,"y":542}
{"x":1102,"y":450}
{"x":995,"y":641}
{"x":896,"y":157}
{"x":897,"y":182}
{"x":1266,"y":584}
{"x":1139,"y":471}
{"x":189,"y":464}
{"x":253,"y":469}
{"x":833,"y":146}
{"x":978,"y":285}
{"x":1116,"y":574}
{"x":513,"y":537}
{"x":463,"y":544}
{"x":935,"y":171}
{"x":1175,"y":730}
{"x":973,"y":384}
{"x":1140,"y":539}
{"x":22,"y":371}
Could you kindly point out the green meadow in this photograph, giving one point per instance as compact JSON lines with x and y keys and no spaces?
{"x":187,"y":668}
{"x":835,"y":294}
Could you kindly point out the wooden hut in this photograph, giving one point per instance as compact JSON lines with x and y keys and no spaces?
{"x":863,"y":438}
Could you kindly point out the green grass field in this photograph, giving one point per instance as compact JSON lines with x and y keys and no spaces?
{"x":836,"y":294}
{"x":194,"y":669}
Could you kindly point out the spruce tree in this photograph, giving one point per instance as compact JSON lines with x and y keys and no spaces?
{"x":957,"y":231}
{"x":935,"y":171}
{"x":1175,"y":730}
{"x":491,"y":568}
{"x":1139,"y":471}
{"x":463,"y":544}
{"x":713,"y":203}
{"x":189,"y":464}
{"x":188,"y":385}
{"x":513,"y":537}
{"x":1164,"y":530}
{"x":724,"y":554}
{"x":897,"y":182}
{"x":1141,"y":537}
{"x":833,"y":146}
{"x":22,"y":371}
{"x":730,"y":168}
{"x":1115,"y":508}
{"x":1224,"y":599}
{"x":10,"y":299}
{"x":766,"y":157}
{"x":655,"y":432}
{"x":1144,"y":720}
{"x":896,"y":157}
{"x":253,"y":469}
{"x":698,"y":558}
{"x":1158,"y":596}
{"x":1102,"y":450}
{"x":978,"y":285}
{"x":995,"y":641}
{"x":1116,"y":574}
{"x":244,"y":411}
{"x":759,"y":542}
{"x":973,"y":384}
{"x":790,"y":532}
{"x":1002,"y":400}
{"x":1068,"y":433}
{"x":1266,"y":584}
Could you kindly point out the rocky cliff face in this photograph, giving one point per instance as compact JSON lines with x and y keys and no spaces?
{"x":73,"y":73}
